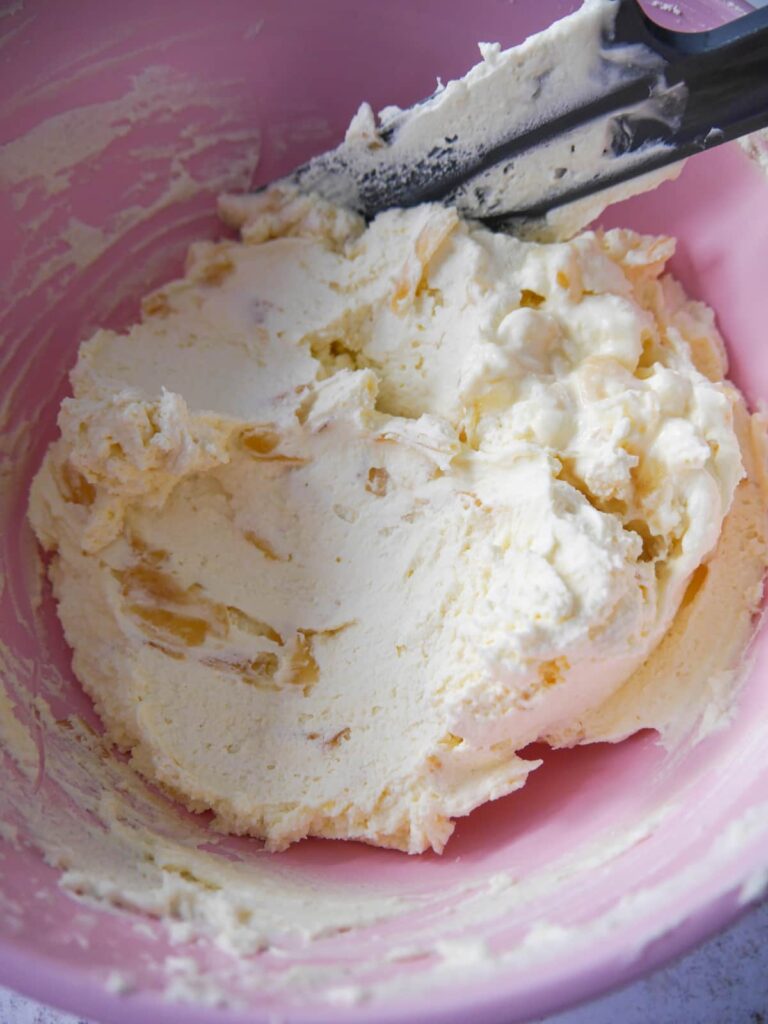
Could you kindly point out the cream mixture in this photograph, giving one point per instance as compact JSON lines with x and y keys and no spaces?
{"x":356,"y":514}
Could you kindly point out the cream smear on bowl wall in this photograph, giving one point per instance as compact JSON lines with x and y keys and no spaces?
{"x":423,"y":441}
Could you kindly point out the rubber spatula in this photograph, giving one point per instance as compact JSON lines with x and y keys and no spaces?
{"x":649,"y":97}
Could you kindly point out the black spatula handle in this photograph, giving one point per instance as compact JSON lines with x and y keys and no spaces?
{"x":725,"y":72}
{"x":720,"y":76}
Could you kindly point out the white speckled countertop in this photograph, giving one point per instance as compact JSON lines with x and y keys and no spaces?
{"x":723,"y":982}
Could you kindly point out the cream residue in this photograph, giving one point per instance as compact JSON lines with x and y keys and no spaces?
{"x":756,"y":148}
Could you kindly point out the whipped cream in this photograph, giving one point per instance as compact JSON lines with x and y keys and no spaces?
{"x":356,"y":514}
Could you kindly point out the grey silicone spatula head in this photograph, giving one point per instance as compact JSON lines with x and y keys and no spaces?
{"x":599,"y":98}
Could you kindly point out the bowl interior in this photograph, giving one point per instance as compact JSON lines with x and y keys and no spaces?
{"x":123,"y":128}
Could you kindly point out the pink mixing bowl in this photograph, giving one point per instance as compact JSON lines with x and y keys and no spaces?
{"x":123,"y":121}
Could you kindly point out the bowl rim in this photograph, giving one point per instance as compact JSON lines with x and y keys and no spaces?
{"x":500,"y":1000}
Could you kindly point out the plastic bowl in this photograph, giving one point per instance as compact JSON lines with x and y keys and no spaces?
{"x":123,"y":123}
